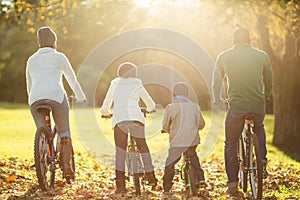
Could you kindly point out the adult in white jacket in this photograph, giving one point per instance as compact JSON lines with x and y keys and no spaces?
{"x":125,"y":93}
{"x":44,"y":72}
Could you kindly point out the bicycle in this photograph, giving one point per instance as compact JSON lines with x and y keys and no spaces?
{"x":250,"y":162}
{"x":46,"y":154}
{"x":188,"y":175}
{"x":135,"y":167}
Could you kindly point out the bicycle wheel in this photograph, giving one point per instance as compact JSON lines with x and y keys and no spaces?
{"x":137,"y":186}
{"x":255,"y":168}
{"x":190,"y":180}
{"x":242,"y":162}
{"x":42,"y":157}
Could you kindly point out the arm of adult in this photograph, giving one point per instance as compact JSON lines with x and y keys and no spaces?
{"x":72,"y":80}
{"x":107,"y":102}
{"x":166,"y":123}
{"x":217,"y":79}
{"x":200,"y":120}
{"x":267,"y":77}
{"x":28,"y":79}
{"x":150,"y":104}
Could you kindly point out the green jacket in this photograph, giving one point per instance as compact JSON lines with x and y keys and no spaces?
{"x":249,"y":77}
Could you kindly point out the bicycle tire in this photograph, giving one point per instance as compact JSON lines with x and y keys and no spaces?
{"x":192,"y":181}
{"x":256,"y":169}
{"x":242,"y":159}
{"x":137,"y":185}
{"x":41,"y":157}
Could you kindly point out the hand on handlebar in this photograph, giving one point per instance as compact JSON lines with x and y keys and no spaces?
{"x":76,"y":100}
{"x":145,"y":111}
{"x":163,"y":131}
{"x":106,"y":116}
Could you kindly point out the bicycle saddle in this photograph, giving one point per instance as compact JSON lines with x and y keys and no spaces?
{"x":43,"y":108}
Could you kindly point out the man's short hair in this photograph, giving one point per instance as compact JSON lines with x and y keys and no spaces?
{"x":241,"y":35}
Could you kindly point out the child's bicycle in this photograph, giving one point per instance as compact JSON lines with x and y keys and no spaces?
{"x":250,"y":162}
{"x":188,"y":175}
{"x":46,"y":154}
{"x":135,"y":167}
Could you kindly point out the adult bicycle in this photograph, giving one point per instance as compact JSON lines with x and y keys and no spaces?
{"x":46,"y":153}
{"x":135,"y":168}
{"x":250,"y":162}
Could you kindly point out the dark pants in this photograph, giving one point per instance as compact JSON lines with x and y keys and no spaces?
{"x":234,"y":125}
{"x":60,"y":113}
{"x":137,"y":130}
{"x":173,"y":157}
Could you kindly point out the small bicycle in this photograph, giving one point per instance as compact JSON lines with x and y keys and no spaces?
{"x":46,"y":154}
{"x":134,"y":162}
{"x":250,"y":162}
{"x":187,"y":174}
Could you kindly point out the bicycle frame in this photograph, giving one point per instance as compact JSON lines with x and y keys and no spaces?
{"x":135,"y":165}
{"x":187,"y":174}
{"x":250,"y":163}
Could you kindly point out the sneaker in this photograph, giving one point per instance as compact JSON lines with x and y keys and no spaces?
{"x":202,"y":184}
{"x":265,"y":172}
{"x":66,"y":153}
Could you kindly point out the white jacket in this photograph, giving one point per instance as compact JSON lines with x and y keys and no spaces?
{"x":125,"y":93}
{"x":44,"y":72}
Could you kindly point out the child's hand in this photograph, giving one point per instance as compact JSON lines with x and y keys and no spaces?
{"x":163,"y":131}
{"x":106,"y":116}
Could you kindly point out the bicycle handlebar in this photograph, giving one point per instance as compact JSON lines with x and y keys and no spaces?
{"x":143,"y":110}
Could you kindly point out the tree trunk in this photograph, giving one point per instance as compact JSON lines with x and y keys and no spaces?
{"x":286,"y":93}
{"x":287,"y":108}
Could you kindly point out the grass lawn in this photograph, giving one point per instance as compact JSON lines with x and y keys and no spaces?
{"x":17,"y":131}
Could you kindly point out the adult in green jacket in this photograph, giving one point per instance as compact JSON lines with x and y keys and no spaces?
{"x":249,"y":83}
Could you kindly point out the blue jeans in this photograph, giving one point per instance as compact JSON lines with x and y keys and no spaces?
{"x":173,"y":157}
{"x":234,"y":125}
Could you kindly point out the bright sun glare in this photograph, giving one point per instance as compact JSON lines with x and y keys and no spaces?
{"x":151,"y":3}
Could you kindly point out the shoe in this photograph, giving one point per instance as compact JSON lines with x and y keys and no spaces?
{"x":265,"y":172}
{"x":66,"y":156}
{"x":202,"y":184}
{"x":232,"y":188}
{"x":152,"y":180}
{"x":120,"y":183}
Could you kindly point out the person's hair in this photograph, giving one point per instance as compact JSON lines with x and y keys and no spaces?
{"x":127,"y":70}
{"x":181,"y":88}
{"x":241,"y":35}
{"x":46,"y":37}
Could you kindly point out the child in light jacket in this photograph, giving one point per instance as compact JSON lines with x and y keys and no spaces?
{"x":125,"y":93}
{"x":182,"y":120}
